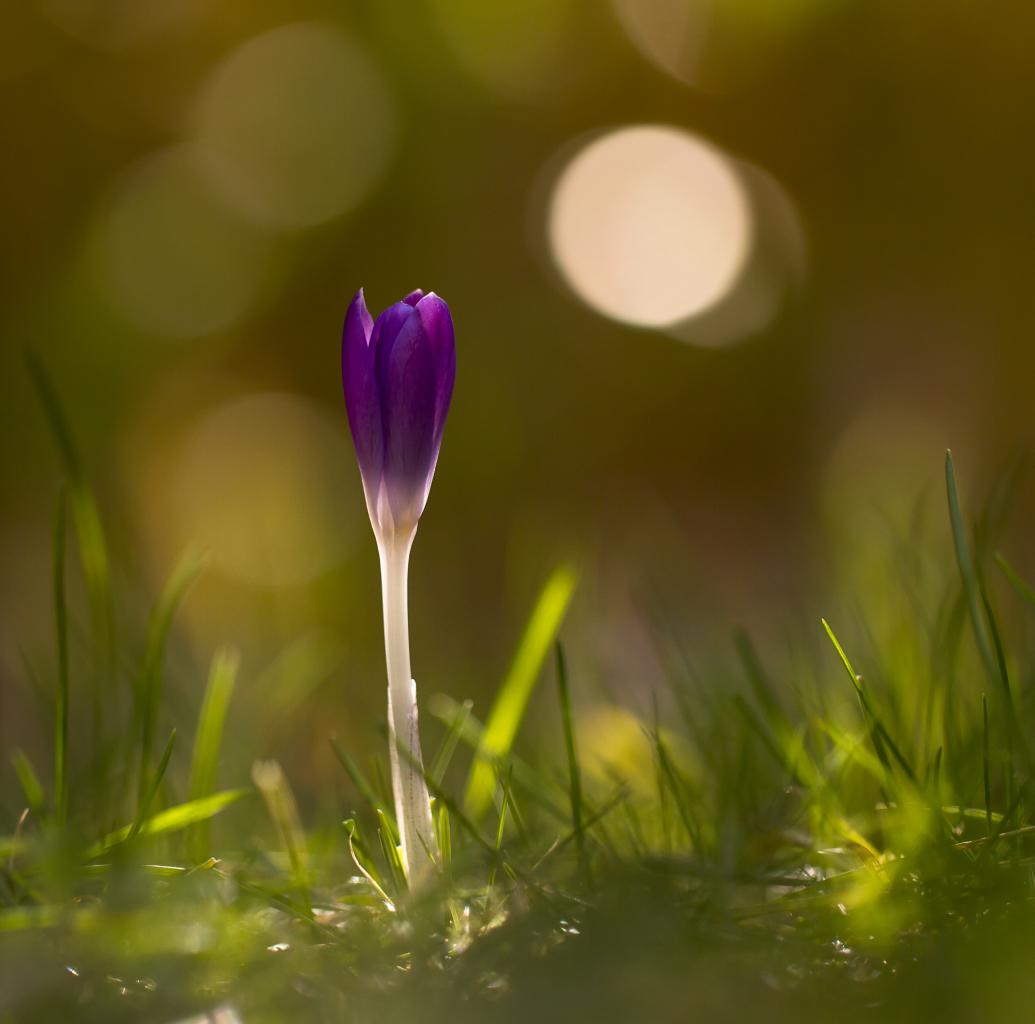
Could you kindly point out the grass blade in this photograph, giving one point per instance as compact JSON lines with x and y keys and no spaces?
{"x":149,"y":687}
{"x":280,"y":802}
{"x":986,"y":631}
{"x":1026,"y":593}
{"x":444,"y":755}
{"x":61,"y":701}
{"x":389,"y":846}
{"x":172,"y":819}
{"x":32,"y":788}
{"x":571,"y":750}
{"x":985,"y":764}
{"x":513,"y":696}
{"x":350,"y":829}
{"x":163,"y":764}
{"x":444,"y":837}
{"x":755,"y":724}
{"x":208,"y":737}
{"x":759,"y":682}
{"x":93,"y":549}
{"x":535,"y":784}
{"x":880,"y":735}
{"x":968,"y":572}
{"x":668,"y":776}
{"x":500,"y":828}
{"x":359,"y":780}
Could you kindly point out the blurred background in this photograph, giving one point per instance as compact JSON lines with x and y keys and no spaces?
{"x":728,"y":276}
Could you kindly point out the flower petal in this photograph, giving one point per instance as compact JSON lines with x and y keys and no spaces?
{"x":407,"y":375}
{"x":414,"y":297}
{"x":438,"y":329}
{"x":386,"y":329}
{"x":362,"y":398}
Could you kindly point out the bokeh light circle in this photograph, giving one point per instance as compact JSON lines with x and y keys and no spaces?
{"x":169,"y":257}
{"x":122,"y":24}
{"x":671,"y":34}
{"x":267,"y":484}
{"x":298,"y":124}
{"x":772,"y":275}
{"x":649,"y":225}
{"x":718,"y":45}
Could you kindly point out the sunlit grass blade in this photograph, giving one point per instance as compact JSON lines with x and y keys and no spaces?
{"x":571,"y":752}
{"x":149,"y":686}
{"x":208,"y":737}
{"x":500,"y":827}
{"x":444,"y":837}
{"x":514,"y":813}
{"x":156,"y":782}
{"x":172,"y":819}
{"x":390,"y":848}
{"x":443,"y":799}
{"x":880,"y":735}
{"x":852,"y":746}
{"x":61,"y":693}
{"x":512,"y":699}
{"x":270,"y":781}
{"x":363,"y":864}
{"x":534,"y":783}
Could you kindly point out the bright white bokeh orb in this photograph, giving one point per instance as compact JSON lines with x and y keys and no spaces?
{"x":773,"y":273}
{"x":649,"y":225}
{"x":298,"y":125}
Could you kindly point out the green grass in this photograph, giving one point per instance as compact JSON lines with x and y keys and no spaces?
{"x":836,"y":828}
{"x":512,"y":700}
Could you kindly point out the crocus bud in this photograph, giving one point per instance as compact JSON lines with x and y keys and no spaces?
{"x":398,"y":374}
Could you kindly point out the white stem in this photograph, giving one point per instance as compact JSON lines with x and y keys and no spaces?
{"x":412,"y":804}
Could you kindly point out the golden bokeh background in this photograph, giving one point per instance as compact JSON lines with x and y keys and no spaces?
{"x":727,"y":277}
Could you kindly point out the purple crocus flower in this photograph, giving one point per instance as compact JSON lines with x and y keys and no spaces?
{"x":398,"y":373}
